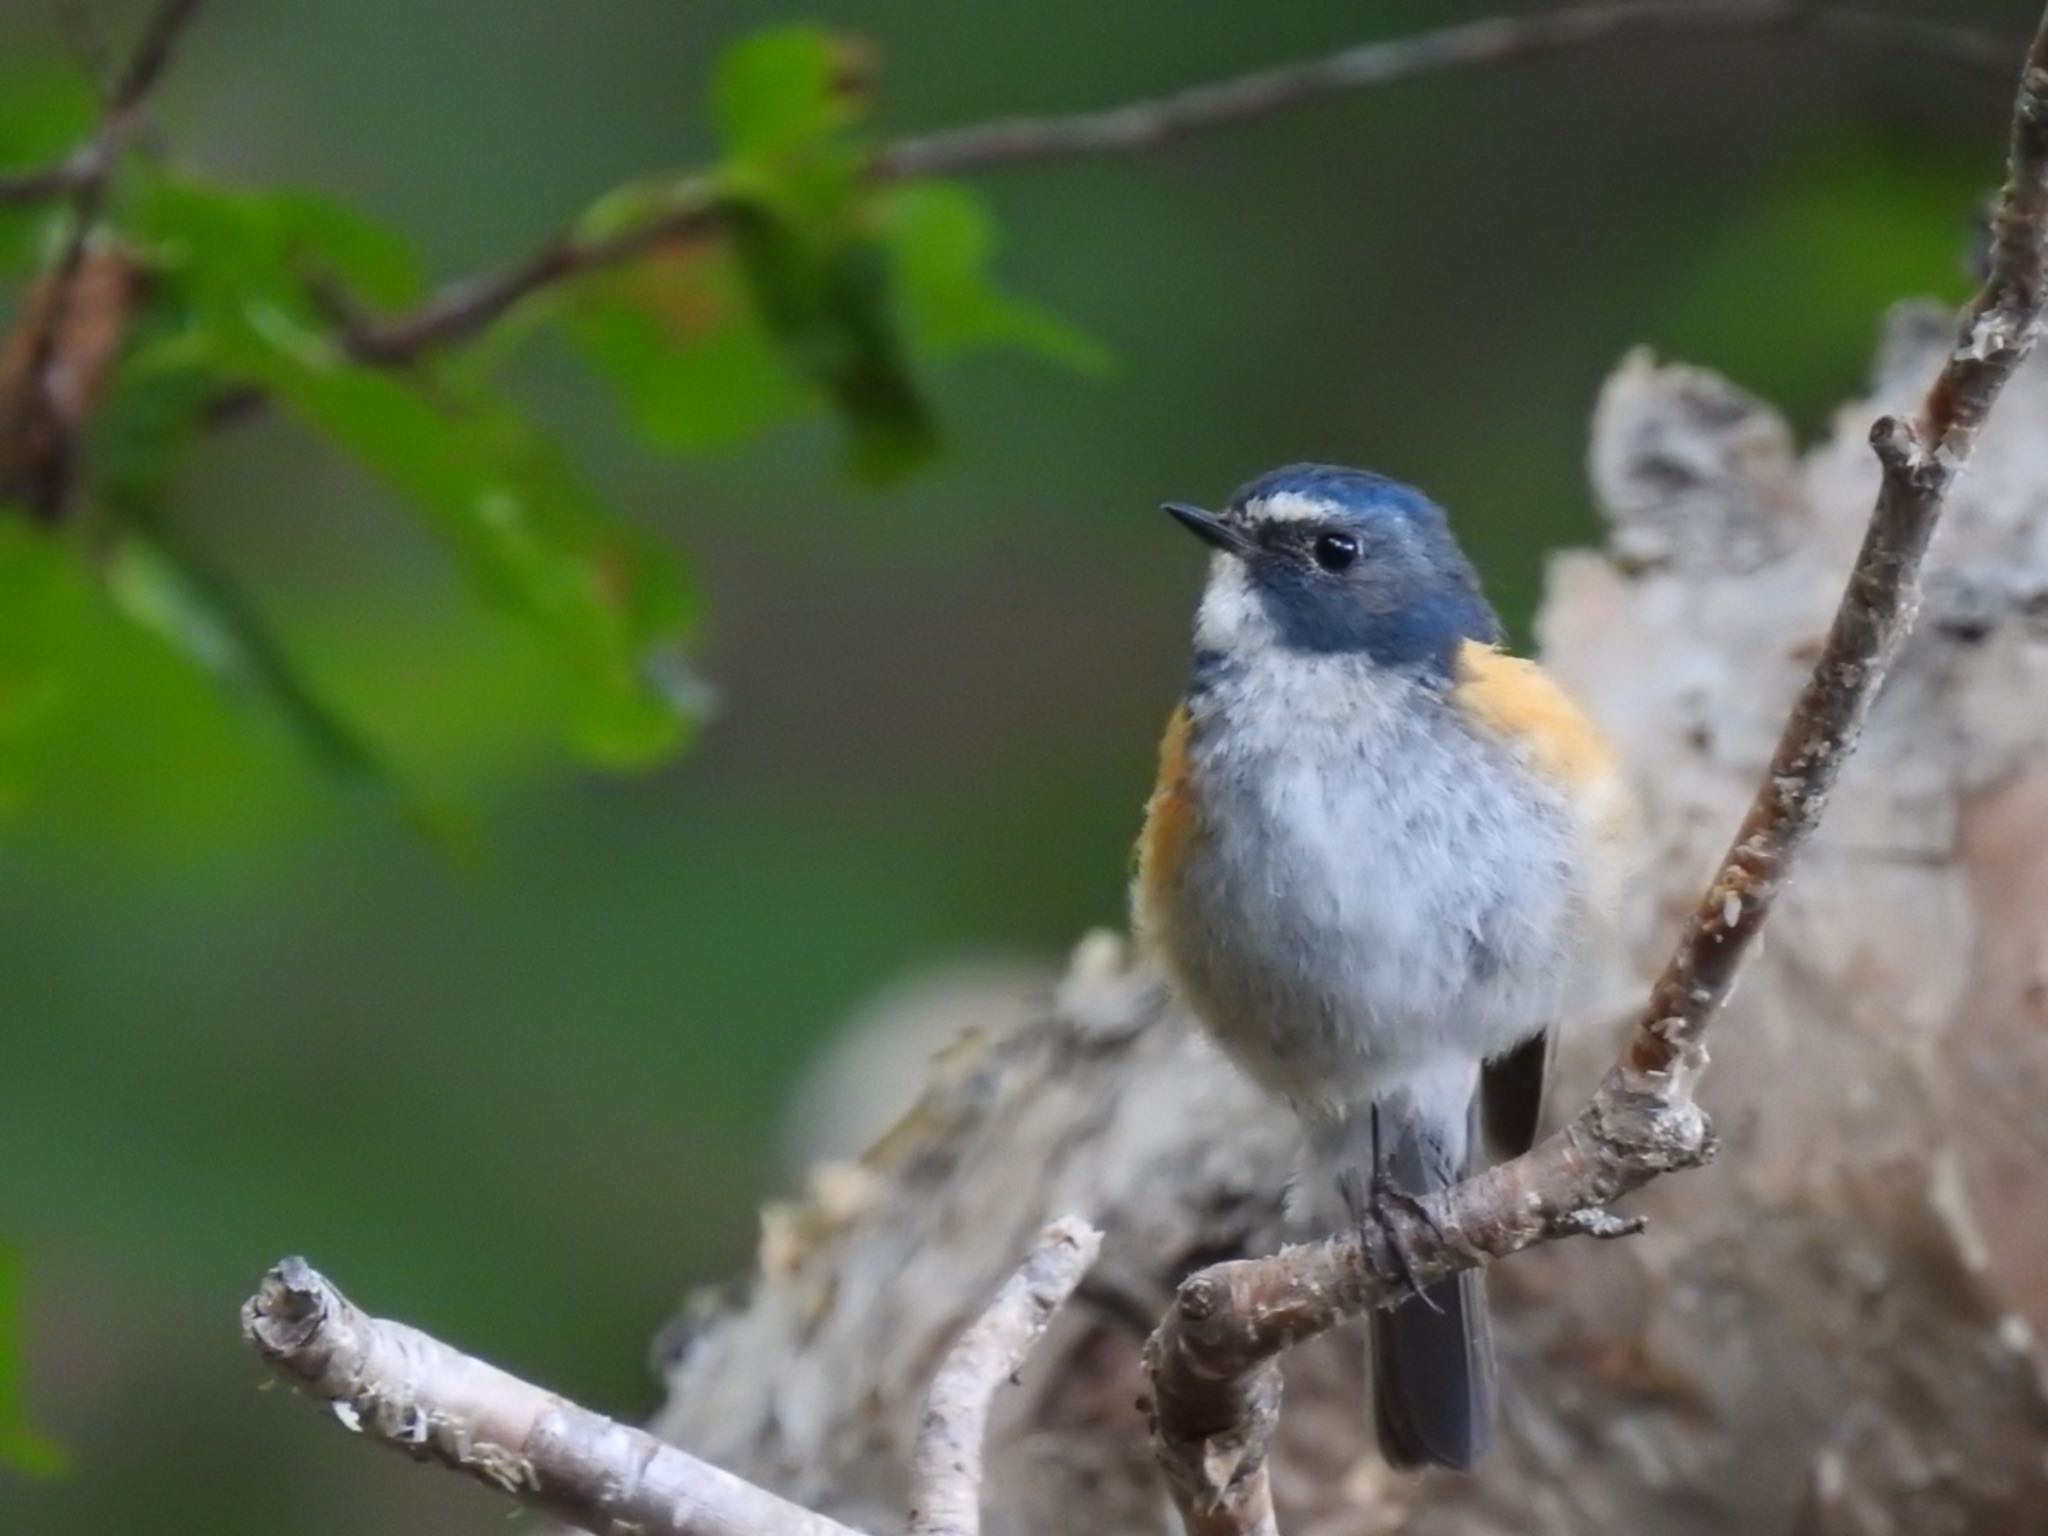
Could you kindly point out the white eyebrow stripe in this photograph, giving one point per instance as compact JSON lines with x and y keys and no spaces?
{"x":1287,"y":507}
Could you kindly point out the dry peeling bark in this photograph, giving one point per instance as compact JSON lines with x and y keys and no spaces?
{"x":1832,"y":1329}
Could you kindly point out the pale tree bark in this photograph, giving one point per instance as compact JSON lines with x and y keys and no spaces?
{"x":1832,"y":1328}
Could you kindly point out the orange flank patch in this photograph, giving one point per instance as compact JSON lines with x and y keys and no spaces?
{"x":1170,"y":817}
{"x":1514,"y":699}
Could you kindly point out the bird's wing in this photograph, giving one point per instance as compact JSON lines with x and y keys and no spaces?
{"x":1170,"y":820}
{"x":1516,"y":701}
{"x":1511,"y":1095}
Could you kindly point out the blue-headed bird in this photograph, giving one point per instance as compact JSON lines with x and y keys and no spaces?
{"x":1374,"y":867}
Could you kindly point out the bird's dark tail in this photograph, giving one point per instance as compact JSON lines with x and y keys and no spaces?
{"x":1432,"y":1376}
{"x":1432,"y":1355}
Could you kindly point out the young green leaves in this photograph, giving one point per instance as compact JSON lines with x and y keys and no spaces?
{"x":815,"y":285}
{"x":788,"y":279}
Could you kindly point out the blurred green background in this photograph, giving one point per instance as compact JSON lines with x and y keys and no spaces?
{"x":527,"y":1093}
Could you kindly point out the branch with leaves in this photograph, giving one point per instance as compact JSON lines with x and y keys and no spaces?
{"x":808,"y":270}
{"x":470,"y":305}
{"x":54,"y":364}
{"x":85,"y":170}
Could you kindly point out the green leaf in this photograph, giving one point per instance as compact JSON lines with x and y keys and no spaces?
{"x":200,"y":614}
{"x":375,"y":261}
{"x":827,"y":299}
{"x":502,"y":499}
{"x":203,"y":616}
{"x":682,"y":341}
{"x":784,"y":90}
{"x":45,"y":113}
{"x":236,"y":249}
{"x":47,"y":613}
{"x":821,"y":287}
{"x":105,"y":727}
{"x":23,"y":1448}
{"x":796,"y":201}
{"x":156,"y":408}
{"x":531,"y":536}
{"x":943,"y":241}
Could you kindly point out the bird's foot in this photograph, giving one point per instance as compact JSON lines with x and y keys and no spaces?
{"x":1376,"y":1220}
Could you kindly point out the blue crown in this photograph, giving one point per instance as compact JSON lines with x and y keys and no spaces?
{"x":1347,"y":490}
{"x":1419,"y":599}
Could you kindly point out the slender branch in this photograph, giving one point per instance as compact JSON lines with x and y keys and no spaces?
{"x":1145,"y":125}
{"x":41,"y":413}
{"x":46,"y":182}
{"x":1921,"y":461}
{"x":945,"y":1468}
{"x":152,"y":53}
{"x":465,"y":308}
{"x":413,"y":1393}
{"x":472,"y":304}
{"x":87,"y":167}
{"x":1212,"y":1360}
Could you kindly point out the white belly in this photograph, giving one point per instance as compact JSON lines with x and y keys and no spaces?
{"x":1378,"y":894}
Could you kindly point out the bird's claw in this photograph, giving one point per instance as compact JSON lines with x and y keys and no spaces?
{"x":1383,"y":1195}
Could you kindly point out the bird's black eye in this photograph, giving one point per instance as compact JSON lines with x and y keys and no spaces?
{"x":1336,"y":551}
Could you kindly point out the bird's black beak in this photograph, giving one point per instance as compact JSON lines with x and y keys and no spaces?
{"x":1207,"y":527}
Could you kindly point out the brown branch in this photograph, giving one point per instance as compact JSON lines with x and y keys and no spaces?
{"x":465,"y":308}
{"x":152,"y":53}
{"x":413,"y":1393}
{"x":1145,"y":125}
{"x":472,"y":304}
{"x":40,"y":419}
{"x":945,"y":1468}
{"x":46,"y":182}
{"x":1920,"y":461}
{"x":1212,"y":1361}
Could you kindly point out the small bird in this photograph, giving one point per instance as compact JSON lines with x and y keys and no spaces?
{"x":1375,"y":862}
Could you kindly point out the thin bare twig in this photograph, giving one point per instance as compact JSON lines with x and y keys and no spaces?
{"x":1921,"y":460}
{"x":1143,"y":125}
{"x":472,"y":304}
{"x":945,"y":1467}
{"x":1148,"y":124}
{"x":1215,"y":1383}
{"x":413,"y":1393}
{"x":152,"y":53}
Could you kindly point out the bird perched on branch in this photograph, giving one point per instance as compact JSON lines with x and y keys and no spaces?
{"x":1374,"y":866}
